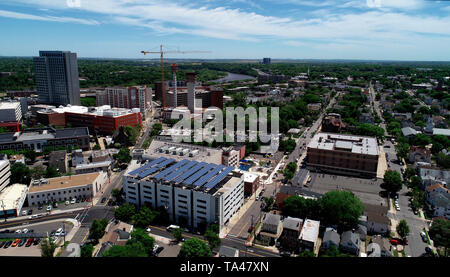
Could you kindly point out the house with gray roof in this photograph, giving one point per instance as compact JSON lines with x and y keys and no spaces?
{"x":271,"y":228}
{"x":291,"y":230}
{"x":350,"y":243}
{"x":330,"y":237}
{"x":409,"y":132}
{"x":439,"y":204}
{"x":379,"y":247}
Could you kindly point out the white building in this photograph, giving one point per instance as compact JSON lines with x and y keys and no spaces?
{"x":193,"y":193}
{"x":12,"y":199}
{"x":5,"y":173}
{"x":309,"y":234}
{"x":65,"y":188}
{"x":10,"y":111}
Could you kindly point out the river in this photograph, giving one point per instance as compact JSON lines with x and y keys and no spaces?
{"x":233,"y":77}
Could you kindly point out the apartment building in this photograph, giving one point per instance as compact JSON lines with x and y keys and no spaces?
{"x":194,"y":193}
{"x":127,"y":97}
{"x":343,"y":154}
{"x":5,"y":173}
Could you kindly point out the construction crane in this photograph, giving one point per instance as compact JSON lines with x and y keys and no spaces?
{"x":162,"y":52}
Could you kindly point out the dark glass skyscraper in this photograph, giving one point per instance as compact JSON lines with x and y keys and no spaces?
{"x":57,"y":78}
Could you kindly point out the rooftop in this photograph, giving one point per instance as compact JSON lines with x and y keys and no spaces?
{"x":9,"y":105}
{"x":65,"y":182}
{"x":310,"y":230}
{"x":347,"y":143}
{"x":104,"y":110}
{"x":11,"y":195}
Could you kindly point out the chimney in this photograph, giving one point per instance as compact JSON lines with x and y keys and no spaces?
{"x":174,"y":67}
{"x":190,"y":81}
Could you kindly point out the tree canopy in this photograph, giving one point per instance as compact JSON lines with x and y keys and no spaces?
{"x":195,"y":247}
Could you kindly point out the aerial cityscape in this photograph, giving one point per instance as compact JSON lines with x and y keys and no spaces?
{"x":271,"y":135}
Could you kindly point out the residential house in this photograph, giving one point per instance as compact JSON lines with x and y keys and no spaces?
{"x":350,"y":243}
{"x":376,"y":219}
{"x":419,"y":154}
{"x":361,"y":230}
{"x":291,"y":230}
{"x":439,"y":204}
{"x":431,"y":175}
{"x":271,"y":229}
{"x":308,"y":235}
{"x":409,"y":132}
{"x":330,"y":237}
{"x":379,"y":247}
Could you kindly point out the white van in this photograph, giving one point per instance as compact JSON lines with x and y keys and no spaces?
{"x":172,"y":227}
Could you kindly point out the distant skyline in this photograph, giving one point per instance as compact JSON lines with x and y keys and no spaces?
{"x":398,"y":30}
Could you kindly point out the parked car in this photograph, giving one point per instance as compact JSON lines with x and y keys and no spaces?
{"x":159,"y":250}
{"x":73,"y":201}
{"x":36,"y":241}
{"x":52,"y":233}
{"x":103,"y":200}
{"x":428,"y":250}
{"x":424,"y":236}
{"x":155,"y":247}
{"x":15,"y":243}
{"x":59,"y":232}
{"x":55,"y":205}
{"x":24,"y":212}
{"x":29,"y":242}
{"x":67,"y":203}
{"x":148,"y":230}
{"x":405,"y":241}
{"x":8,"y":244}
{"x":25,"y":231}
{"x":22,"y":242}
{"x":2,"y":243}
{"x":40,"y":207}
{"x":49,"y":208}
{"x":30,"y":212}
{"x":18,"y":231}
{"x":393,"y":241}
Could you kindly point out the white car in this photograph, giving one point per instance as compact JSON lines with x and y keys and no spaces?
{"x":148,"y":230}
{"x":155,"y":247}
{"x":67,"y":202}
{"x":55,"y":239}
{"x":397,"y":208}
{"x":24,"y":213}
{"x":18,"y":231}
{"x":25,"y":231}
{"x":49,"y":208}
{"x":73,"y":201}
{"x":59,"y":232}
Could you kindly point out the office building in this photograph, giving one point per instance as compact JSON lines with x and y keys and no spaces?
{"x":267,"y":60}
{"x":65,"y":188}
{"x":57,"y":78}
{"x":102,"y":120}
{"x":39,"y":138}
{"x":193,"y":193}
{"x":343,"y":154}
{"x":129,"y":98}
{"x":5,"y":173}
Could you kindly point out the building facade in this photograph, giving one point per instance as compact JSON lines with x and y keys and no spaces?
{"x":343,"y":154}
{"x":129,"y":98}
{"x":5,"y":173}
{"x":57,"y":77}
{"x":194,"y":193}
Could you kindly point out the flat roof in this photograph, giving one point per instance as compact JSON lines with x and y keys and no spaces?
{"x":340,"y":142}
{"x":310,"y":230}
{"x":9,"y":105}
{"x":438,"y":131}
{"x":250,"y":177}
{"x":11,"y":196}
{"x":65,"y":182}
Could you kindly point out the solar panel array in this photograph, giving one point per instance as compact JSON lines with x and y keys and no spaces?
{"x":193,"y":178}
{"x":218,"y":178}
{"x":155,"y":168}
{"x":180,"y":171}
{"x":170,"y":169}
{"x":190,"y":172}
{"x":146,"y":166}
{"x":208,"y":176}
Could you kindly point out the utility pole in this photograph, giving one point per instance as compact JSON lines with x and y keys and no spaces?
{"x":4,"y":213}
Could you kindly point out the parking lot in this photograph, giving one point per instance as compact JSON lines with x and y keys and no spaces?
{"x":368,"y":190}
{"x":33,"y":250}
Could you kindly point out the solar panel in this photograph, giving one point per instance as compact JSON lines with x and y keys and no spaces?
{"x":208,"y":176}
{"x":165,"y":163}
{"x":190,"y":172}
{"x":146,"y":166}
{"x":170,"y":169}
{"x":200,"y":173}
{"x":219,"y":178}
{"x":180,"y":171}
{"x":155,"y":168}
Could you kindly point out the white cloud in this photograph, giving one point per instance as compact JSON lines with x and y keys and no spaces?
{"x":16,"y":15}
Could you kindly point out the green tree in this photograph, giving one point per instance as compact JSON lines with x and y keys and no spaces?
{"x":403,"y":150}
{"x":195,"y":248}
{"x":403,"y":229}
{"x":123,"y":156}
{"x":129,"y":250}
{"x":96,"y":147}
{"x":409,"y":172}
{"x":341,"y":208}
{"x":116,"y":194}
{"x":38,"y":172}
{"x":178,"y":234}
{"x":20,"y":174}
{"x":306,"y":254}
{"x":31,"y":155}
{"x":392,"y":181}
{"x":140,"y":236}
{"x":422,"y":140}
{"x":144,"y":217}
{"x":97,"y":229}
{"x":87,"y":250}
{"x":440,"y":234}
{"x":47,"y":248}
{"x":213,"y":238}
{"x":125,"y":212}
{"x":51,"y":172}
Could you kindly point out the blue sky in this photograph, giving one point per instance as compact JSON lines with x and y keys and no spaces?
{"x":293,"y":29}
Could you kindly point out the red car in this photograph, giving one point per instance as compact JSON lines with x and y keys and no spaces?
{"x":394,"y":242}
{"x":29,"y":242}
